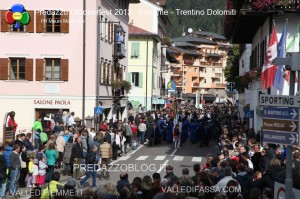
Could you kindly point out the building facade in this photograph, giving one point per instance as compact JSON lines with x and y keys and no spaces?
{"x":256,"y":31}
{"x":50,"y":62}
{"x":199,"y":63}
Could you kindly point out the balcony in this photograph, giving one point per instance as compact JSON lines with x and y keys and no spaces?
{"x":196,"y":84}
{"x":217,"y":64}
{"x":188,"y":62}
{"x":176,"y":73}
{"x":218,"y":75}
{"x":204,"y":63}
{"x":218,"y":85}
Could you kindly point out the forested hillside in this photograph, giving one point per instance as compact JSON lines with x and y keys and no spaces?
{"x":206,"y":23}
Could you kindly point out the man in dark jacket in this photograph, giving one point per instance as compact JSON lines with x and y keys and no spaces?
{"x":170,"y":175}
{"x":91,"y":163}
{"x":76,"y":158}
{"x":20,"y":140}
{"x":122,"y":182}
{"x":244,"y":179}
{"x":296,"y":157}
{"x":3,"y":175}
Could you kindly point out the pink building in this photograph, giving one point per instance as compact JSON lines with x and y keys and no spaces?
{"x":51,"y":63}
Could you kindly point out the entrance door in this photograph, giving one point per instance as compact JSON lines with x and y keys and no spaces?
{"x":43,"y":112}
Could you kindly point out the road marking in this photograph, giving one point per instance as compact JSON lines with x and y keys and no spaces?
{"x":178,"y":158}
{"x":143,"y":157}
{"x":125,"y":157}
{"x":160,"y":157}
{"x":133,"y":152}
{"x":197,"y":159}
{"x":174,"y":152}
{"x":162,"y":166}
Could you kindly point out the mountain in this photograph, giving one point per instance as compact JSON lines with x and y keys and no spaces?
{"x":180,"y":22}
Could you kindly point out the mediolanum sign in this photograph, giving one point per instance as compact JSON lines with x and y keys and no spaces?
{"x":275,"y":100}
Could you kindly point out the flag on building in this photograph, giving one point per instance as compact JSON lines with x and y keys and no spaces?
{"x":280,"y":71}
{"x":269,"y":69}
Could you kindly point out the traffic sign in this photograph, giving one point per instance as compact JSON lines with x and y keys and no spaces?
{"x":280,"y":125}
{"x":249,"y":113}
{"x":281,"y":113}
{"x":290,"y":138}
{"x":279,"y":100}
{"x":98,"y":110}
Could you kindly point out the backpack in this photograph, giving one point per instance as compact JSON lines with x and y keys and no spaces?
{"x":43,"y":137}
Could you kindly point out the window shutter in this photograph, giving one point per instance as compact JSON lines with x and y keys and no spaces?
{"x":109,"y":32}
{"x":140,"y":80}
{"x":3,"y":69}
{"x":64,"y":70}
{"x":39,"y":67}
{"x":4,"y":25}
{"x":65,"y":22}
{"x":129,"y":77}
{"x":40,"y":22}
{"x":30,"y":25}
{"x":29,"y":69}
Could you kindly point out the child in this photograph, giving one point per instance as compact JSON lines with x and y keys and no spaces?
{"x":42,"y":171}
{"x":35,"y":172}
{"x":29,"y":174}
{"x":41,"y":153}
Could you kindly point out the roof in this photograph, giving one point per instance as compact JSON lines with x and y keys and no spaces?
{"x":134,"y":30}
{"x":190,"y":52}
{"x":193,"y":39}
{"x":171,"y":51}
{"x":185,"y":44}
{"x":214,"y":35}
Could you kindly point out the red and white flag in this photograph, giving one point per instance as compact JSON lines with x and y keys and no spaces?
{"x":269,"y":69}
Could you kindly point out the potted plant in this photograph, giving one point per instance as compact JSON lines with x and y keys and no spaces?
{"x":116,"y":84}
{"x":126,"y":85}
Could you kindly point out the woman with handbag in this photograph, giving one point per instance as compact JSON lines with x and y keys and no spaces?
{"x":24,"y":167}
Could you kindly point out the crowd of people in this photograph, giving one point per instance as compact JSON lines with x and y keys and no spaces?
{"x":239,"y":168}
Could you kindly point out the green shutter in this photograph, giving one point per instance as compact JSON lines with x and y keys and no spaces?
{"x":135,"y":50}
{"x":129,"y":77}
{"x":140,"y":80}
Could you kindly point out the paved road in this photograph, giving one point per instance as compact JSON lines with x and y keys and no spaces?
{"x":147,"y":160}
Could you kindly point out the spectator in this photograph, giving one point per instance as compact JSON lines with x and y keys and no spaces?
{"x":228,"y":176}
{"x":91,"y":171}
{"x":51,"y":156}
{"x":3,"y":174}
{"x":106,"y":155}
{"x":28,"y":144}
{"x":7,"y":152}
{"x":122,"y":182}
{"x":76,"y":158}
{"x":37,"y":129}
{"x":170,"y":175}
{"x":60,"y":143}
{"x":15,"y":167}
{"x":68,"y":168}
{"x":53,"y":187}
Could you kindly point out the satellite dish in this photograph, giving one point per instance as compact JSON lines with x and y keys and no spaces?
{"x":190,"y":30}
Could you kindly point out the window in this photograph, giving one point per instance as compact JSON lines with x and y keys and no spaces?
{"x":53,"y":21}
{"x":204,"y":80}
{"x":53,"y":69}
{"x":195,"y":70}
{"x":135,"y":79}
{"x":17,"y":68}
{"x":135,"y":50}
{"x":213,"y":70}
{"x":106,"y":73}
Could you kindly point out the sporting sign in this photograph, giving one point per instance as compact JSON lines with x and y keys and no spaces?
{"x":279,"y":100}
{"x":280,"y":125}
{"x":281,"y":113}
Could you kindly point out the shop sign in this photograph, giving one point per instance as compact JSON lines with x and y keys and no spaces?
{"x":52,"y":102}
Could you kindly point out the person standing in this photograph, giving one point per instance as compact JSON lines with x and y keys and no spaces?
{"x":37,"y":125}
{"x":24,"y":167}
{"x":76,"y":158}
{"x":128,"y":134}
{"x":60,"y":143}
{"x":15,"y":166}
{"x":176,"y":136}
{"x":71,"y":121}
{"x":3,"y":174}
{"x":11,"y":121}
{"x":51,"y":156}
{"x":142,"y":130}
{"x":106,"y":155}
{"x":91,"y":170}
